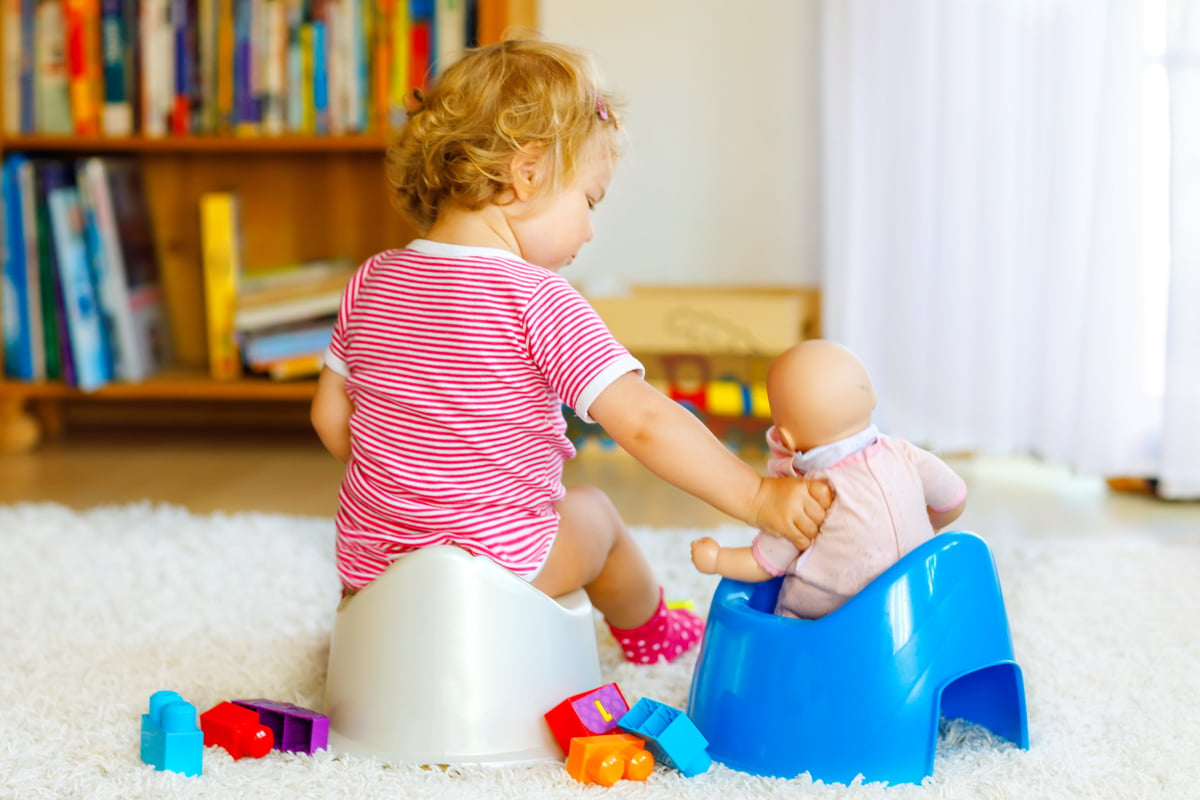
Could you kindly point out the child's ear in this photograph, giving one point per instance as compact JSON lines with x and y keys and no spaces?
{"x":526,"y":174}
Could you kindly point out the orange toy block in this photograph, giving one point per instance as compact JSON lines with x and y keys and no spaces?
{"x":608,"y":758}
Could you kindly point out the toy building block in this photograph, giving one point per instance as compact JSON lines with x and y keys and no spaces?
{"x":670,"y":735}
{"x":170,"y":738}
{"x":296,"y":729}
{"x":236,"y":729}
{"x":608,"y":758}
{"x":589,"y":713}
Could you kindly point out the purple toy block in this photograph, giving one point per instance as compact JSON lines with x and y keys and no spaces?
{"x":296,"y":729}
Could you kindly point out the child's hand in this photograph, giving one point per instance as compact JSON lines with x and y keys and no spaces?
{"x":704,"y":554}
{"x":792,"y":508}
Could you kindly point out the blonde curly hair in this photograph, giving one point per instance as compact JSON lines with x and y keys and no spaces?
{"x":518,"y":96}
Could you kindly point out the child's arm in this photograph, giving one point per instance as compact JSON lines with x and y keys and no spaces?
{"x":738,"y":563}
{"x":330,"y":413}
{"x":677,"y":447}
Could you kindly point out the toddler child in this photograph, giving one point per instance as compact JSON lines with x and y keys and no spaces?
{"x":890,"y":495}
{"x":443,"y":385}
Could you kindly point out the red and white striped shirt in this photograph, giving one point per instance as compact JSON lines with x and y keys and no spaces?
{"x":458,"y":361}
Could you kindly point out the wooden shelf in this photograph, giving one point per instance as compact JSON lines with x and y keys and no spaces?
{"x":208,"y":145}
{"x":172,"y":384}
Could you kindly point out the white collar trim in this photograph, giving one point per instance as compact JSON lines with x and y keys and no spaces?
{"x":447,"y":250}
{"x":827,"y":455}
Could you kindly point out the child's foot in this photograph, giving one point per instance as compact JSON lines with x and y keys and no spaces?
{"x":670,"y":633}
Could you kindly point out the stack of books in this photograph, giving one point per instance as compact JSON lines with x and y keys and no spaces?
{"x":275,"y":321}
{"x":285,"y":316}
{"x":81,"y":292}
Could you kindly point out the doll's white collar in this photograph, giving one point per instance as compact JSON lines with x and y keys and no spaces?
{"x":827,"y":455}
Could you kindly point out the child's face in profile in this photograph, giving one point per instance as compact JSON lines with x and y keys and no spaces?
{"x":551,"y":228}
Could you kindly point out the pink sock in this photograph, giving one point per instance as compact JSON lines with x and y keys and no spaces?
{"x":670,"y":633}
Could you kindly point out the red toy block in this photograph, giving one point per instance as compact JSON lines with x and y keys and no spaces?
{"x":237,"y":729}
{"x":589,"y":713}
{"x":608,"y":758}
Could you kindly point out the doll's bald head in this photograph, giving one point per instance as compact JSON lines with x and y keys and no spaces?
{"x":819,"y":393}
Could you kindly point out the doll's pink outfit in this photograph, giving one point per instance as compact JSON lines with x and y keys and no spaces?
{"x":883,"y":489}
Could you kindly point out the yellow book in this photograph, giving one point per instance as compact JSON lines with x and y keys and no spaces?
{"x":305,"y":366}
{"x":220,"y":242}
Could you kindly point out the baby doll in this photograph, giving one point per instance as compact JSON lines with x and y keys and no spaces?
{"x":889,"y":495}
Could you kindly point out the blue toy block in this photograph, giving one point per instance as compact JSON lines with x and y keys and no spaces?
{"x":860,"y":691}
{"x":669,"y":734}
{"x":171,"y":739}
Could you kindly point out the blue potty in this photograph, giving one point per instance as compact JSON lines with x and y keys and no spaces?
{"x":861,"y":690}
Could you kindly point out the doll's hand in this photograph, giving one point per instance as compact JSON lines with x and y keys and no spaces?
{"x":704,"y":554}
{"x":792,"y":508}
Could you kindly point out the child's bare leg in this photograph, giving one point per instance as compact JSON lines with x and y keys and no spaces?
{"x":594,"y":550}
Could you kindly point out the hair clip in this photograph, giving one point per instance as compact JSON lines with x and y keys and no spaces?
{"x":414,"y":101}
{"x":604,"y":114}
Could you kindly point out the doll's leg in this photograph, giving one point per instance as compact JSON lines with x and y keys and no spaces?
{"x":594,"y":550}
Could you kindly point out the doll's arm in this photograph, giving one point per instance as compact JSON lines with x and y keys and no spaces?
{"x":330,"y":413}
{"x":940,"y":519}
{"x":729,"y":562}
{"x":676,"y":446}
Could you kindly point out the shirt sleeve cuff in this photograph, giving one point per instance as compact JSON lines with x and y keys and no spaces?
{"x":336,"y":364}
{"x":598,"y":384}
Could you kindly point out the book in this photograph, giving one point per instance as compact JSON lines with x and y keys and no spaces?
{"x":46,"y":176}
{"x":26,"y":180}
{"x":90,"y":357}
{"x":129,"y":289}
{"x":14,"y":291}
{"x":450,"y":30}
{"x":52,"y":103}
{"x":287,"y":341}
{"x":305,"y":366}
{"x":116,"y":115}
{"x":421,"y":43}
{"x":253,"y":281}
{"x":10,"y":52}
{"x":83,"y":65}
{"x":315,"y":304}
{"x":220,"y":238}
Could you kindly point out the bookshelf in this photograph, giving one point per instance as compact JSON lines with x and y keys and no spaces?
{"x":302,"y":197}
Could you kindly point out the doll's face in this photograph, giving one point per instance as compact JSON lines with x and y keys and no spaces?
{"x":819,"y":393}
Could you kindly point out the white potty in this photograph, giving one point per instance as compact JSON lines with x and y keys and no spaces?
{"x":447,"y":658}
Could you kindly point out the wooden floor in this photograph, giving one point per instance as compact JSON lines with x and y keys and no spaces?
{"x":274,"y":471}
{"x":289,"y":472}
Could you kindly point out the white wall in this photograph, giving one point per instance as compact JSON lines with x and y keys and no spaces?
{"x":720,"y":181}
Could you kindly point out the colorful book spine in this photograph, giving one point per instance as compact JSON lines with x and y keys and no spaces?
{"x":421,"y":53}
{"x":85,"y":330}
{"x":18,"y":343}
{"x":27,"y":182}
{"x":221,"y":247}
{"x":46,"y":176}
{"x":52,"y":101}
{"x":82,"y":27}
{"x":117,"y":114}
{"x":320,"y":76}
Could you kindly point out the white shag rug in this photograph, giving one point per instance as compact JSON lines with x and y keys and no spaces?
{"x":104,"y":607}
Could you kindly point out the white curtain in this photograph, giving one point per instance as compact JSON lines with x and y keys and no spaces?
{"x":1179,"y":476}
{"x":982,"y":231}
